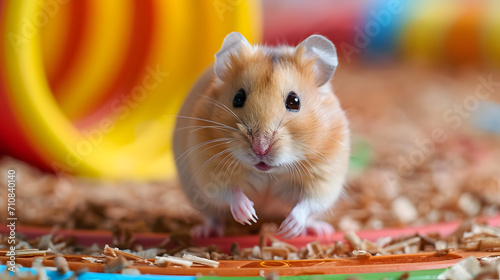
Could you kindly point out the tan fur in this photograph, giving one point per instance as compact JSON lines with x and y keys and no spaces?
{"x":320,"y":125}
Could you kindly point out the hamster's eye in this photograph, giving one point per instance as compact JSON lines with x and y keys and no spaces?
{"x":239,"y":99}
{"x":292,"y":102}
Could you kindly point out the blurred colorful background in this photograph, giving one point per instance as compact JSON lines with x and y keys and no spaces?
{"x":90,"y":88}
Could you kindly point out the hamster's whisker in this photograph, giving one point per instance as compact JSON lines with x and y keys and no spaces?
{"x":210,"y":121}
{"x":293,"y":173}
{"x":192,"y":149}
{"x":286,"y":123}
{"x":200,"y":127}
{"x":213,"y":146}
{"x":311,"y":162}
{"x":232,"y":167}
{"x":226,"y":170}
{"x":308,"y":169}
{"x":272,"y":176}
{"x":187,"y":152}
{"x":225,"y":108}
{"x":324,"y":158}
{"x":295,"y":167}
{"x":287,"y":167}
{"x":320,"y":155}
{"x":279,"y":124}
{"x":226,"y":160}
{"x":206,"y":163}
{"x":307,"y":173}
{"x":337,"y":141}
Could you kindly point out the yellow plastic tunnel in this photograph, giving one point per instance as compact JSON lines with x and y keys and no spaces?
{"x":89,"y":87}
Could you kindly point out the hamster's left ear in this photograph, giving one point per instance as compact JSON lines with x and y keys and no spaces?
{"x":324,"y":52}
{"x":233,"y":42}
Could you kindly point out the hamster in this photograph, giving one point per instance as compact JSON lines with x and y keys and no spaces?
{"x":264,"y":121}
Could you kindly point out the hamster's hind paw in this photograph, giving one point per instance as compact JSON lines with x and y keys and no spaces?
{"x":318,"y":227}
{"x":242,"y":208}
{"x":207,"y":230}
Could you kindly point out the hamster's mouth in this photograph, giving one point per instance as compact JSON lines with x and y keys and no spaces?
{"x":262,"y":166}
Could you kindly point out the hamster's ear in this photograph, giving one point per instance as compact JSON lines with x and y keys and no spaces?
{"x":324,"y":52}
{"x":233,"y":42}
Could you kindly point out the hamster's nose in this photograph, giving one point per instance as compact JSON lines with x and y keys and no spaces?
{"x":261,"y":145}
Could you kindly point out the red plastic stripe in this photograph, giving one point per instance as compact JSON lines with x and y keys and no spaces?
{"x":73,"y":45}
{"x":134,"y":63}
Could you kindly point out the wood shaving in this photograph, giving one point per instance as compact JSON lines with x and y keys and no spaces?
{"x":354,"y":240}
{"x":490,"y":244}
{"x":91,"y":260}
{"x":61,"y":265}
{"x":31,"y":253}
{"x":108,"y":251}
{"x":464,"y":270}
{"x":274,"y":252}
{"x":315,"y":250}
{"x":490,"y":259}
{"x":116,"y":264}
{"x":165,"y":261}
{"x":131,"y":271}
{"x":361,"y":254}
{"x":401,"y":245}
{"x":147,"y":254}
{"x":202,"y":261}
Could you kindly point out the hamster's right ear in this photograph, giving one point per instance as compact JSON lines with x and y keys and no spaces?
{"x":324,"y":52}
{"x":233,"y":42}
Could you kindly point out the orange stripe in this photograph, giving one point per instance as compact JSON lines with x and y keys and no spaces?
{"x":462,"y":42}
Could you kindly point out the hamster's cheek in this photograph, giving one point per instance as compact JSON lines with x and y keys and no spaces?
{"x":287,"y":155}
{"x":242,"y":153}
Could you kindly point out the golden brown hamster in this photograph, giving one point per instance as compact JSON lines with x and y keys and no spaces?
{"x":263,"y":125}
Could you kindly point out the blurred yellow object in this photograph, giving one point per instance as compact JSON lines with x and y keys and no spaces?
{"x":131,"y":139}
{"x":491,"y":35}
{"x":426,"y":26}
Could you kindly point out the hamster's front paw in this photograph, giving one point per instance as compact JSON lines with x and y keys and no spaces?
{"x":242,"y":208}
{"x":294,"y":224}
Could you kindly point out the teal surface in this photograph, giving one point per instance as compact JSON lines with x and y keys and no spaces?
{"x":414,"y":275}
{"x":53,"y":275}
